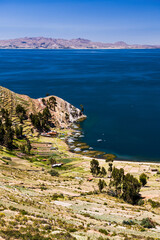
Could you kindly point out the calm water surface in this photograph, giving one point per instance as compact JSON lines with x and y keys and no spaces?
{"x":120,"y":91}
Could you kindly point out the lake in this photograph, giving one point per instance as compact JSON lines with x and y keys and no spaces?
{"x":119,"y":89}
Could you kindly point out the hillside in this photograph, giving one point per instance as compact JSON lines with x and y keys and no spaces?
{"x":48,"y":192}
{"x":79,"y":43}
{"x":62,"y":115}
{"x":36,"y":205}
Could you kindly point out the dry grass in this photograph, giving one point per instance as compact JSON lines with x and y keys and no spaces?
{"x":65,"y":204}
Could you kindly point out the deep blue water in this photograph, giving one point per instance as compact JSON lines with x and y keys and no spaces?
{"x":120,"y":91}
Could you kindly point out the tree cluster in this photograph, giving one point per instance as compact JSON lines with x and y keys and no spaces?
{"x":126,"y":186}
{"x":19,"y":132}
{"x":41,"y":120}
{"x":21,"y":113}
{"x":6,"y":130}
{"x":96,"y":170}
{"x":26,"y":147}
{"x":52,"y":103}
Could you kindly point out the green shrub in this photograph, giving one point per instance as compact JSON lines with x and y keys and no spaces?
{"x":128,"y":222}
{"x":54,"y":173}
{"x":101,"y":230}
{"x":143,"y":179}
{"x":43,"y":188}
{"x":57,"y":195}
{"x":64,"y":236}
{"x":147,"y":223}
{"x":140,"y":202}
{"x":154,"y":204}
{"x":23,"y":212}
{"x":7,"y":158}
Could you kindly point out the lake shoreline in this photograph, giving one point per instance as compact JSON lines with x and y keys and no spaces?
{"x":124,"y":161}
{"x":118,"y":160}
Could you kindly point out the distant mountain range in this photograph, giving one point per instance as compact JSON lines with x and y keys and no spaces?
{"x":79,"y":43}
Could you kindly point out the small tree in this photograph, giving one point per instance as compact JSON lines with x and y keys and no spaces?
{"x":143,"y":179}
{"x":52,"y":102}
{"x":46,"y":115}
{"x":147,"y":223}
{"x":22,"y":148}
{"x":28,"y":146}
{"x":110,"y":167}
{"x":19,"y":131}
{"x":101,"y":185}
{"x":127,"y":187}
{"x":131,"y":188}
{"x":2,"y":134}
{"x":95,"y":168}
{"x":21,"y":112}
{"x":82,"y":109}
{"x":4,"y":113}
{"x":8,"y":138}
{"x":54,"y":173}
{"x":43,"y":101}
{"x":103,"y":172}
{"x":117,"y":179}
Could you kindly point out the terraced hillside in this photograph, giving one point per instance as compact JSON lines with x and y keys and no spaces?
{"x":41,"y":201}
{"x":35,"y":205}
{"x":62,"y":115}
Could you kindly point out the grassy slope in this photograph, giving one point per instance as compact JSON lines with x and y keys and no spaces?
{"x":76,"y":212}
{"x":9,"y":100}
{"x":27,"y":185}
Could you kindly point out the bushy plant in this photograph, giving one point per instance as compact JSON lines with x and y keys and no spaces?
{"x":54,"y":173}
{"x":101,"y":185}
{"x":154,"y":204}
{"x":110,"y":157}
{"x":57,"y":195}
{"x":21,"y":112}
{"x":95,"y":168}
{"x":140,"y":202}
{"x":143,"y":179}
{"x":147,"y":223}
{"x":126,"y":186}
{"x":101,"y":230}
{"x":128,"y":222}
{"x":103,"y":172}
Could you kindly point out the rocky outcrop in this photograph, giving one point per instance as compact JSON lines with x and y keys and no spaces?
{"x":62,"y":113}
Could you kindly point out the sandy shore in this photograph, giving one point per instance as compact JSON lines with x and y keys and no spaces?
{"x":124,"y":161}
{"x":140,"y":163}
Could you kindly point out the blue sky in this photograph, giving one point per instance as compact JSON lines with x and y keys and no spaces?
{"x":132,"y":21}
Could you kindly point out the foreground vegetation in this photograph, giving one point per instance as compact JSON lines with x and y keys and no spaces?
{"x":82,"y":199}
{"x":40,"y":202}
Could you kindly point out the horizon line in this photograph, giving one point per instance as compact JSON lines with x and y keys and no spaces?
{"x":81,"y":38}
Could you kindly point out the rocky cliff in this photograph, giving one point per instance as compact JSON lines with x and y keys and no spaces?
{"x":63,"y":114}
